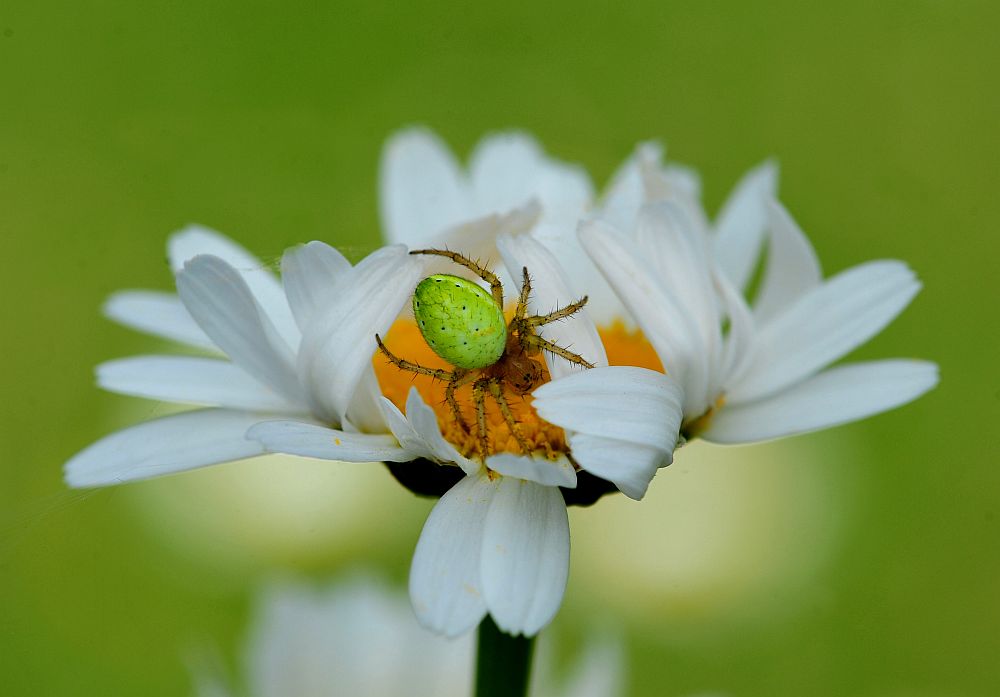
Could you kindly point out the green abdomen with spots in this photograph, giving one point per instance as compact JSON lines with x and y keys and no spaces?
{"x":460,"y":321}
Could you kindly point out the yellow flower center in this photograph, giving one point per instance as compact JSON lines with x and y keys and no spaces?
{"x":623,"y":348}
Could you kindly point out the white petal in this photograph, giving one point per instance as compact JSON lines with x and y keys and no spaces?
{"x":665,"y":325}
{"x":740,"y":225}
{"x":672,"y":246}
{"x":630,"y":404}
{"x":445,"y":581}
{"x":550,"y":291}
{"x":675,"y":186}
{"x":836,"y":396}
{"x":312,"y":440}
{"x":172,"y":444}
{"x":503,"y":168}
{"x":190,"y":380}
{"x":418,"y":432}
{"x":792,"y":267}
{"x":422,"y":190}
{"x":525,"y":555}
{"x":309,"y":274}
{"x":824,"y":325}
{"x":195,"y":240}
{"x":629,"y":466}
{"x":623,"y":422}
{"x":535,"y":469}
{"x":739,"y":341}
{"x":157,"y":313}
{"x":337,"y":349}
{"x":364,"y":414}
{"x":508,"y":169}
{"x":221,"y":302}
{"x":626,"y":192}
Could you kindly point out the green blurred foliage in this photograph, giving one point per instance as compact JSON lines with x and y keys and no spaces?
{"x":119,"y":122}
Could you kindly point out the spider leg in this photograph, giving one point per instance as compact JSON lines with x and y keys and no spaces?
{"x":522,"y":300}
{"x":496,"y":390}
{"x":458,"y":380}
{"x":484,"y":273}
{"x":479,"y":399}
{"x":545,"y":345}
{"x":539,"y":320}
{"x":411,"y":366}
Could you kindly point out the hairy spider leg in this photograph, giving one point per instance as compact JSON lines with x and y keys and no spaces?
{"x":496,"y":389}
{"x":459,"y":379}
{"x":522,"y":300}
{"x":538,"y":342}
{"x":484,"y":273}
{"x":455,"y":378}
{"x":479,"y":399}
{"x":539,"y":320}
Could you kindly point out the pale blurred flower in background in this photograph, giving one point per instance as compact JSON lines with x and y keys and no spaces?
{"x":360,"y":637}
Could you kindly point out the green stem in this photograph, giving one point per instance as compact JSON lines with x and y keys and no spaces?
{"x":503,"y":662}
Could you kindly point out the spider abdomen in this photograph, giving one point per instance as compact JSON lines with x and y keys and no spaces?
{"x":460,"y":321}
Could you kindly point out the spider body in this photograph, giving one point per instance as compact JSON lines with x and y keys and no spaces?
{"x":460,"y":321}
{"x":465,"y":325}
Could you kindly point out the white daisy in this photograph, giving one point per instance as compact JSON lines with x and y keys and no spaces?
{"x":767,"y":374}
{"x":358,"y":637}
{"x":300,"y":380}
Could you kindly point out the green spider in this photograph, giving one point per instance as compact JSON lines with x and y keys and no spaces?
{"x":465,"y":325}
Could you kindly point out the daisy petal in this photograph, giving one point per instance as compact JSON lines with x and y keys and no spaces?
{"x":312,"y":440}
{"x":172,"y":444}
{"x":674,"y":246}
{"x":190,"y":380}
{"x":425,"y":423}
{"x":675,"y":185}
{"x":156,"y":313}
{"x":508,"y":169}
{"x":629,"y":466}
{"x":737,"y":350}
{"x":739,"y":228}
{"x":535,"y":469}
{"x":419,"y":433}
{"x":624,"y":422}
{"x":792,"y":267}
{"x":196,"y":240}
{"x":309,"y":273}
{"x":421,"y":188}
{"x":550,"y":291}
{"x":635,"y":405}
{"x":445,"y":585}
{"x":824,"y":325}
{"x":525,"y":555}
{"x":337,"y":349}
{"x":836,"y":396}
{"x":364,"y":414}
{"x":626,"y":192}
{"x":221,"y":302}
{"x":663,"y":323}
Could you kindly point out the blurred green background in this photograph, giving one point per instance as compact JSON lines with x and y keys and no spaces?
{"x":875,"y":563}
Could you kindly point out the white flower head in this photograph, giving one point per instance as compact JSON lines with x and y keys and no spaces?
{"x":293,"y":373}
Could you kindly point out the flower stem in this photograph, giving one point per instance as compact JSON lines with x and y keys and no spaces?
{"x":503,"y":662}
